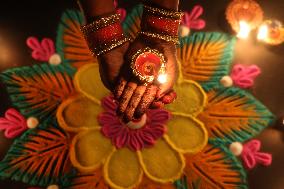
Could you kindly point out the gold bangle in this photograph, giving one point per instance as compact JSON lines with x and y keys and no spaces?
{"x":102,"y":49}
{"x":100,"y":23}
{"x":168,"y":38}
{"x":163,"y":12}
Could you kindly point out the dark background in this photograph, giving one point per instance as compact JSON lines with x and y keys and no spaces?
{"x":21,"y":19}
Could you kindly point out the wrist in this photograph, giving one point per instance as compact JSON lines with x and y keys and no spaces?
{"x":160,"y":23}
{"x":164,"y":4}
{"x":104,"y":34}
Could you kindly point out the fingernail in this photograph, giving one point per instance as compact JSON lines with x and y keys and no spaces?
{"x":157,"y":105}
{"x":167,"y":99}
{"x":174,"y":95}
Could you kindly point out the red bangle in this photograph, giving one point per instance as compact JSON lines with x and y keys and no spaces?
{"x":161,"y":25}
{"x":104,"y":34}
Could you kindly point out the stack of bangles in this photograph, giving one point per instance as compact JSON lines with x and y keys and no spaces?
{"x":104,"y":34}
{"x":148,"y":64}
{"x":160,"y":23}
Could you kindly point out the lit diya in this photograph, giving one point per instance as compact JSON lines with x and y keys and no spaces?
{"x":149,"y":64}
{"x":244,"y":11}
{"x":271,"y":32}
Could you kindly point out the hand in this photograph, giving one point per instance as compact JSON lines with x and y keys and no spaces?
{"x":135,"y":98}
{"x":110,"y":65}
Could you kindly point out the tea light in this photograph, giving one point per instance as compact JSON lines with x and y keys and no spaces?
{"x":271,"y":32}
{"x":244,"y":13}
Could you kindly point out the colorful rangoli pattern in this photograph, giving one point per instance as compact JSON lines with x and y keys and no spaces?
{"x":80,"y":143}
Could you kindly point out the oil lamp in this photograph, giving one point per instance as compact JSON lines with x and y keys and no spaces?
{"x":244,"y":16}
{"x":271,"y":32}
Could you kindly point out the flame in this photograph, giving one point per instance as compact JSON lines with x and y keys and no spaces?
{"x":162,"y":78}
{"x":262,"y":32}
{"x":244,"y":30}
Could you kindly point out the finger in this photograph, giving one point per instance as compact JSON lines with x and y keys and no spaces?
{"x":125,"y":97}
{"x":119,"y":88}
{"x":169,"y":98}
{"x":166,"y":99}
{"x":133,"y":103}
{"x":157,"y":105}
{"x":146,"y":101}
{"x":164,"y":89}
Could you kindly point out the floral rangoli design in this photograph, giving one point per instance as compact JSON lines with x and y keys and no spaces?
{"x":80,"y":143}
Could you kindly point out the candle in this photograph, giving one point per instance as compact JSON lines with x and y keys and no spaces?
{"x":271,"y":32}
{"x":244,"y":13}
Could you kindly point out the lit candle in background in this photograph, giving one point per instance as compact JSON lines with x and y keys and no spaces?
{"x":244,"y":30}
{"x":244,"y":16}
{"x":271,"y":32}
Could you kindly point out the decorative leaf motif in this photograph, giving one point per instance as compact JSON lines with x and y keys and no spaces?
{"x":92,"y":180}
{"x":215,"y":167}
{"x":37,"y":91}
{"x":206,"y":57}
{"x":131,"y":24}
{"x":70,"y":42}
{"x":234,"y":114}
{"x":40,"y":157}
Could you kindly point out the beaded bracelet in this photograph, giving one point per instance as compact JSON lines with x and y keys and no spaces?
{"x":104,"y":34}
{"x":160,"y":23}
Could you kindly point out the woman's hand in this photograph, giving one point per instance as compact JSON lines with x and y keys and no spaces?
{"x":110,"y":64}
{"x":134,"y":97}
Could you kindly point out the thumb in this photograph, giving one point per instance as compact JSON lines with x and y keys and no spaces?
{"x":164,"y":89}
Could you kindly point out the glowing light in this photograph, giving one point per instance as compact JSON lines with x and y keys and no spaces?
{"x":244,"y":30}
{"x":162,"y":78}
{"x":271,"y":32}
{"x":262,"y":32}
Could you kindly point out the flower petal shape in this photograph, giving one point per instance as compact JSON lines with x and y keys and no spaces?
{"x":147,"y":183}
{"x":186,"y":134}
{"x":161,"y":163}
{"x":191,"y":98}
{"x":122,"y":169}
{"x":89,"y":150}
{"x":88,"y":81}
{"x":78,"y":113}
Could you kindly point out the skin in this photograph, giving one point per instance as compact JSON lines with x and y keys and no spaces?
{"x":134,"y":99}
